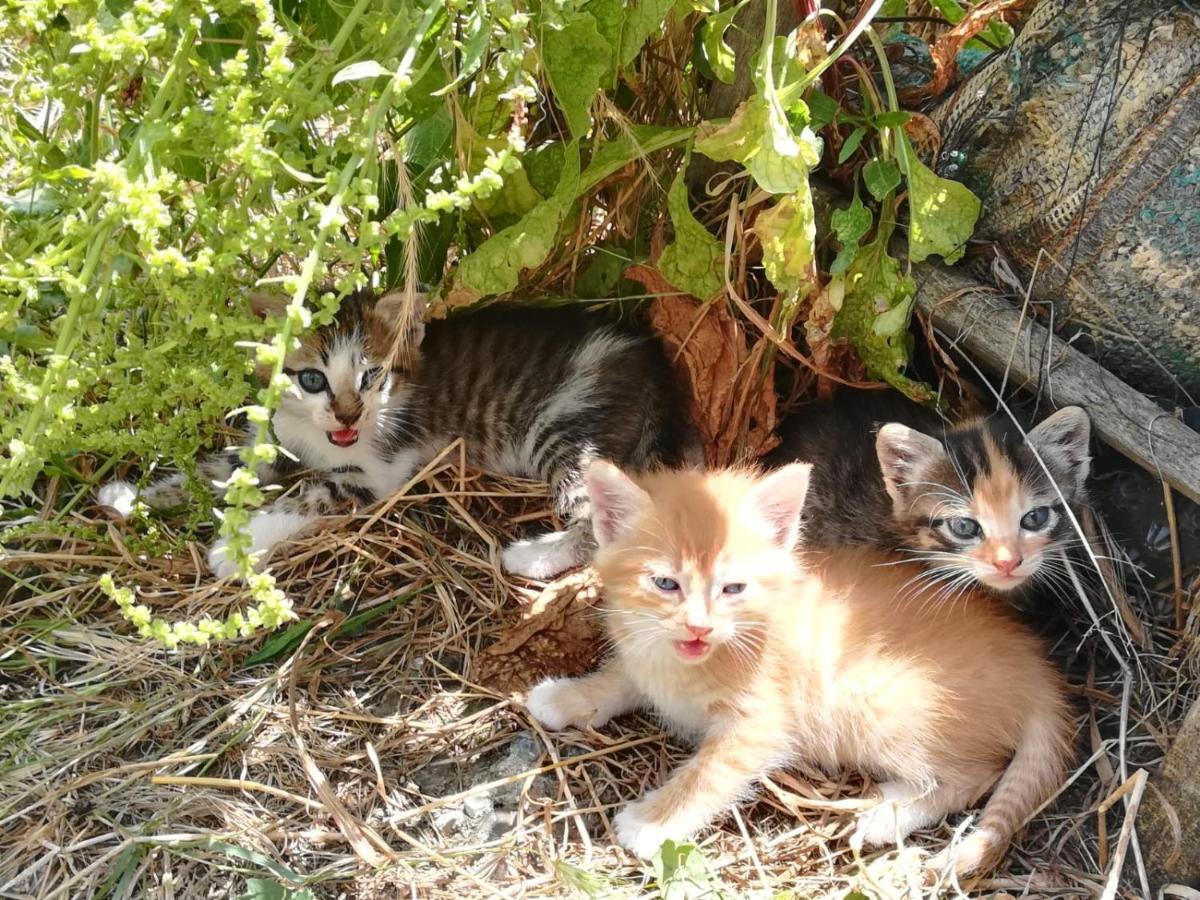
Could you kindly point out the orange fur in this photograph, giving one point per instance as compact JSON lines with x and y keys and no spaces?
{"x":813,"y":659}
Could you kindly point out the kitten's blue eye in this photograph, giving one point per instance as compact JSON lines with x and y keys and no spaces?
{"x":734,"y":587}
{"x":312,"y":380}
{"x":670,"y":585}
{"x":964,"y":528}
{"x":1036,"y":518}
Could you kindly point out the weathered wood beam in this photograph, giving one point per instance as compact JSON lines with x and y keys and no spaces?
{"x":991,"y":331}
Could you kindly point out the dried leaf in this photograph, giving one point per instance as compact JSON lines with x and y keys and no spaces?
{"x":945,"y":49}
{"x":558,"y":635}
{"x":732,"y":403}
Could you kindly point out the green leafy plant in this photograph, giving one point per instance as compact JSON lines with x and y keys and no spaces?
{"x":163,"y":158}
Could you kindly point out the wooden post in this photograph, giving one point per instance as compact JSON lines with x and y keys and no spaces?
{"x":996,"y":336}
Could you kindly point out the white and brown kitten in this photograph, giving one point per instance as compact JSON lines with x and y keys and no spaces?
{"x":533,"y":393}
{"x":970,"y":500}
{"x":765,"y":658}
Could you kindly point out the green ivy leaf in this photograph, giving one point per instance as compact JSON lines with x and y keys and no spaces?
{"x":873,"y":312}
{"x":576,"y":58}
{"x":788,"y":233}
{"x":942,"y":213}
{"x":496,"y":265}
{"x":716,"y":51}
{"x":758,"y":136}
{"x":822,"y":109}
{"x":881,"y":176}
{"x":478,"y":27}
{"x":642,"y":19}
{"x":693,"y":261}
{"x":850,"y":225}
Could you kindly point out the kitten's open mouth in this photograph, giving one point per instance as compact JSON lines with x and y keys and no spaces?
{"x":692,"y":650}
{"x":343,"y":438}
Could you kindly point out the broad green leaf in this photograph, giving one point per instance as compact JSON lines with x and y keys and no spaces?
{"x":693,"y":261}
{"x":643,"y":18}
{"x":610,"y":22}
{"x":576,"y":59}
{"x":631,"y":144}
{"x":368,"y":68}
{"x":716,"y":51}
{"x":873,"y":311}
{"x":758,"y":136}
{"x":850,"y":225}
{"x":496,"y":265}
{"x":881,"y":176}
{"x":682,"y":874}
{"x":787,"y":233}
{"x":941,"y":213}
{"x":822,"y":109}
{"x":892,"y":119}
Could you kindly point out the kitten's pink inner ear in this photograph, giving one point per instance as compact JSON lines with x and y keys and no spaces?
{"x":615,"y":500}
{"x":778,"y":499}
{"x":902,"y":453}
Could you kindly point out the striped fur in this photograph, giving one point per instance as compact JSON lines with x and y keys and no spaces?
{"x":768,"y":658}
{"x":892,"y":475}
{"x":532,"y":393}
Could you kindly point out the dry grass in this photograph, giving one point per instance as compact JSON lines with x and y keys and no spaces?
{"x":350,"y":761}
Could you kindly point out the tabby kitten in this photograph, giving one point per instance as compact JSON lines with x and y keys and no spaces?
{"x":533,"y":393}
{"x":970,"y":500}
{"x":722,"y":630}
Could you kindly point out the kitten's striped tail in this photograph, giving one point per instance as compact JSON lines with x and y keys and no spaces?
{"x":1034,"y":774}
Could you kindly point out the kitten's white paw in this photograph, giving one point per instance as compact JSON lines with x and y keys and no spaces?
{"x":981,"y":848}
{"x":555,"y":703}
{"x":639,"y":836}
{"x":218,"y":563}
{"x":892,"y":819}
{"x":119,"y":496}
{"x":542,"y":558}
{"x":266,"y":530}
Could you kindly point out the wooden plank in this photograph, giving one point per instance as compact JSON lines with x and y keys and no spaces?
{"x":991,"y":331}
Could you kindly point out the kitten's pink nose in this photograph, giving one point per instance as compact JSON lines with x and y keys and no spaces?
{"x":1007,"y":564}
{"x":699,"y":631}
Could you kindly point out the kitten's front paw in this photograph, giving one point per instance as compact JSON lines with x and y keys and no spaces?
{"x":542,"y":558}
{"x":640,"y":835}
{"x":558,"y":702}
{"x":119,"y":496}
{"x":219,"y":562}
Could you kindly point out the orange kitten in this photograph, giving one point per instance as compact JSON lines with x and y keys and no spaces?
{"x":725,"y":633}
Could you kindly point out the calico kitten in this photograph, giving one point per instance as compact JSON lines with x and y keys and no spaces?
{"x":533,"y":393}
{"x":970,"y":500}
{"x":725,"y":632}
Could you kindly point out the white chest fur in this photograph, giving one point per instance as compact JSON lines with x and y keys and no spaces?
{"x":673,"y":691}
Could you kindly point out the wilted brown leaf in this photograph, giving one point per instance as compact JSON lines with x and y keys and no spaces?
{"x":560,"y":634}
{"x":945,"y":49}
{"x":732,"y":403}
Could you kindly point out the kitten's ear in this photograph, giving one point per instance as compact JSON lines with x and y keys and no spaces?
{"x":904,"y":454}
{"x":615,"y":499}
{"x":778,"y":499}
{"x":266,"y":304}
{"x":1063,"y":443}
{"x":395,"y":310}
